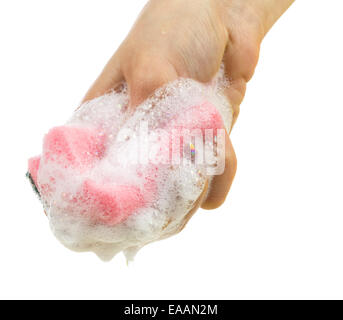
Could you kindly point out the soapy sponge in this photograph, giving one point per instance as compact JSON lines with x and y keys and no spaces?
{"x":113,"y":179}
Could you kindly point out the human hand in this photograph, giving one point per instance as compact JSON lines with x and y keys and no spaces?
{"x":190,"y":39}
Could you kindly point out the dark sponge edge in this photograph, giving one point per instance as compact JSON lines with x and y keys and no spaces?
{"x":34,"y":187}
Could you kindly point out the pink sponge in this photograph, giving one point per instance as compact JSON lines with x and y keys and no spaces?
{"x":79,"y":176}
{"x":80,"y":149}
{"x":72,"y":146}
{"x":33,"y":167}
{"x":203,"y":116}
{"x":111,"y":204}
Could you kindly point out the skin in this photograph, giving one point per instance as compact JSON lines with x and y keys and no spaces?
{"x":191,"y":38}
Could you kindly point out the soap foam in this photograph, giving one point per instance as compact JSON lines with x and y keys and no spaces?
{"x":96,"y":151}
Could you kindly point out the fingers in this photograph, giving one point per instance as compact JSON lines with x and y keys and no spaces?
{"x":240,"y":60}
{"x":146,"y":74}
{"x":235,"y":94}
{"x":221,"y":184}
{"x":110,"y":78}
{"x":196,"y":206}
{"x":189,"y":215}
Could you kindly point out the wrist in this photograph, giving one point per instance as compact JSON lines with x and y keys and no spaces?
{"x":270,"y":11}
{"x":260,"y":14}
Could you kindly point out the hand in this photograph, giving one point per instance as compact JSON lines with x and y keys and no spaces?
{"x":191,"y":38}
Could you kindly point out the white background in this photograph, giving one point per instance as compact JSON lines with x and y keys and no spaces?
{"x":278,"y":235}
